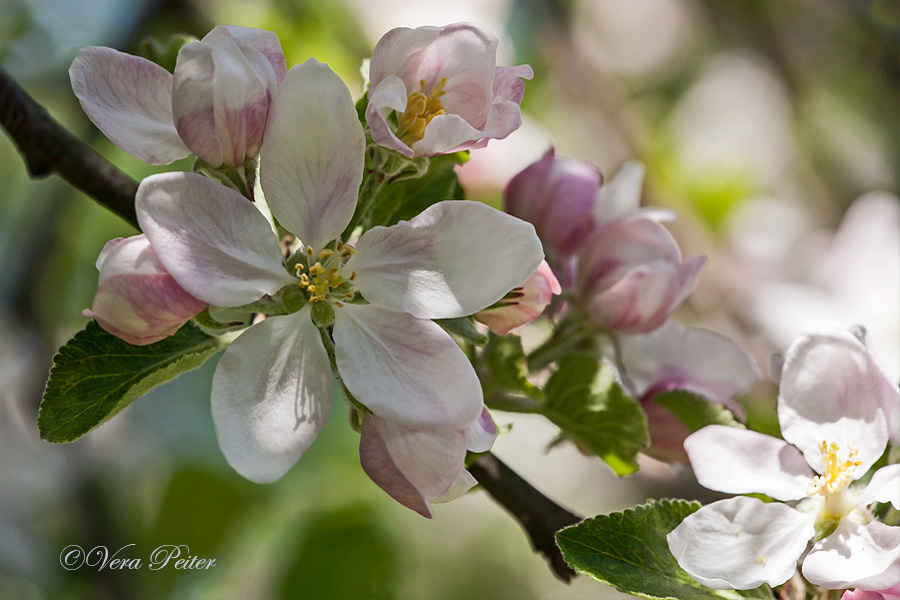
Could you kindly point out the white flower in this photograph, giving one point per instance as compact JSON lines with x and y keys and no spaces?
{"x":272,"y":389}
{"x":830,"y":411}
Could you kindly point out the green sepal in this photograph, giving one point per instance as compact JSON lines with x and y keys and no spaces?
{"x":463,"y":327}
{"x":628,"y":551}
{"x":696,"y":412}
{"x":322,"y":313}
{"x":95,"y":375}
{"x":583,"y":398}
{"x":294,"y":298}
{"x":505,"y":359}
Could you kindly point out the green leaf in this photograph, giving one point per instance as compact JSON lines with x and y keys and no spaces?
{"x":403,"y":200}
{"x":585,"y":401}
{"x":95,"y":375}
{"x":505,"y":358}
{"x":696,"y":412}
{"x":463,"y":327}
{"x":628,"y":550}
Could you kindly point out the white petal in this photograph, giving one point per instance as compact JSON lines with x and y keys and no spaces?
{"x":405,"y":369}
{"x":430,"y":460}
{"x":481,"y":434}
{"x":696,"y":360}
{"x":311,"y":164}
{"x":464,"y":482}
{"x":739,"y":461}
{"x":830,"y":392}
{"x":884,"y":487}
{"x":888,"y":392}
{"x":377,"y":463}
{"x":130,"y":100}
{"x":453,"y":259}
{"x":212,"y":240}
{"x":741,"y":543}
{"x":620,"y":197}
{"x":866,"y":557}
{"x":271,"y":394}
{"x":388,"y":96}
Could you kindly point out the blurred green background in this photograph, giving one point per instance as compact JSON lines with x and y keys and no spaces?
{"x":771,"y":126}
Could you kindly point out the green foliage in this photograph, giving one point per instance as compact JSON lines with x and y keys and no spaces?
{"x":585,"y":401}
{"x":696,"y":412}
{"x":505,"y":358}
{"x":463,"y":327}
{"x":95,"y":375}
{"x":164,"y":52}
{"x":628,"y":550}
{"x":403,"y":200}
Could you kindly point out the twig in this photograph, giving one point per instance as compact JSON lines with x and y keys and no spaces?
{"x":540,"y":516}
{"x":47,"y":147}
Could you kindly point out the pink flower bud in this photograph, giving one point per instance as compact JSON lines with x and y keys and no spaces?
{"x":137,"y":300}
{"x":557,"y":196}
{"x":444,"y":88}
{"x":630,"y":275}
{"x":221,"y":92}
{"x":523,"y":304}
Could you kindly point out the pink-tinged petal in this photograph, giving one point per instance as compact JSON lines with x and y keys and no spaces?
{"x":639,"y":302}
{"x":696,"y":360}
{"x":271,"y":394}
{"x":390,"y":95}
{"x":130,"y":100}
{"x":266,"y":42}
{"x":739,"y":461}
{"x":508,"y":84}
{"x":741,"y":543}
{"x":464,"y":482}
{"x":137,"y":300}
{"x":667,"y":433}
{"x":430,"y":460}
{"x":531,"y":299}
{"x":405,"y":369}
{"x":829,"y":392}
{"x":220,"y":98}
{"x":883,"y":487}
{"x":377,"y":463}
{"x":481,"y":434}
{"x":860,"y":556}
{"x":862,"y":595}
{"x":557,"y":196}
{"x":453,"y":259}
{"x":399,"y":53}
{"x":312,"y":163}
{"x":213,"y":241}
{"x":888,"y":392}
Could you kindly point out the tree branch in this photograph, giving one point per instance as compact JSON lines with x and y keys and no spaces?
{"x":540,"y":516}
{"x":47,"y":147}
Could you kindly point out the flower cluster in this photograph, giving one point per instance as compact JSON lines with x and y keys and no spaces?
{"x":362,"y":307}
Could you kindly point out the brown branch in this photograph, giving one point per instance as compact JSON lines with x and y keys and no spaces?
{"x":540,"y":516}
{"x":47,"y":147}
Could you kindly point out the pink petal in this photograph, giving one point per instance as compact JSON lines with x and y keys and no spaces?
{"x":481,"y":434}
{"x":536,"y":294}
{"x":266,"y":42}
{"x":130,"y":100}
{"x":377,"y":463}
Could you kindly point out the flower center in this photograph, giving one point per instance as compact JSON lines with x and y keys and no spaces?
{"x":325,"y":280}
{"x":835,"y":478}
{"x":421,"y":108}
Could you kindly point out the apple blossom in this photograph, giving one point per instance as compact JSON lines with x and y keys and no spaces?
{"x":434,"y":90}
{"x":835,"y":430}
{"x":137,"y":300}
{"x":215,"y":105}
{"x":672,"y":357}
{"x":523,"y":304}
{"x":418,"y":467}
{"x":630,"y":275}
{"x":892,"y":593}
{"x":272,"y":388}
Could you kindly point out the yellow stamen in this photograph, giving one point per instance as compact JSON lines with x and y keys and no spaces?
{"x":421,"y":108}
